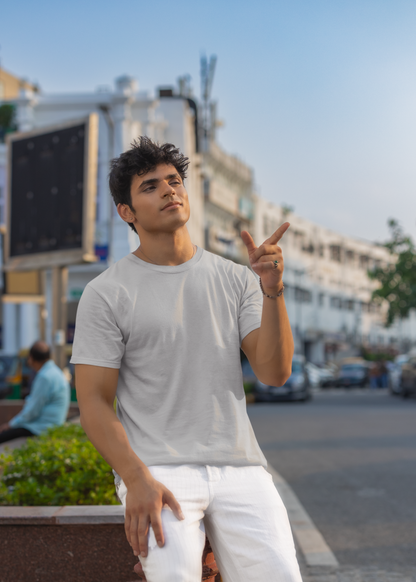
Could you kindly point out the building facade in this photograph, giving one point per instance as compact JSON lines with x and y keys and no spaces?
{"x":328,"y":292}
{"x":124,"y":114}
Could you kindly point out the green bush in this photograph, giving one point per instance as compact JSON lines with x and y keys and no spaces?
{"x":60,"y":467}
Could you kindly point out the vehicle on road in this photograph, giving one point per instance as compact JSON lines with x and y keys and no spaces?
{"x":395,"y":374}
{"x":354,"y":373}
{"x":408,"y":378}
{"x":297,"y":386}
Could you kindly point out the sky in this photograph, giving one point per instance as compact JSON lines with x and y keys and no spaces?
{"x":317,"y":96}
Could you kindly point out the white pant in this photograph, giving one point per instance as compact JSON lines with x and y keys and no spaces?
{"x":243,"y":516}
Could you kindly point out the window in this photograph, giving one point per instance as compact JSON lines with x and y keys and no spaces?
{"x":350,"y":256}
{"x":303,"y":295}
{"x":336,"y":302}
{"x":321,"y":299}
{"x":206,"y":187}
{"x":335,"y":253}
{"x":364,"y":261}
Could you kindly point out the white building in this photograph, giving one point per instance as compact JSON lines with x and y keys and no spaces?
{"x":124,"y":114}
{"x":328,"y":291}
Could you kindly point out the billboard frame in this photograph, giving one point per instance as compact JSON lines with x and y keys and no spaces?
{"x":85,"y":254}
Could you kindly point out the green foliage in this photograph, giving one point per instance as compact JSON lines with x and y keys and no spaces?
{"x":7,"y":119}
{"x":398,"y":279}
{"x":60,"y":467}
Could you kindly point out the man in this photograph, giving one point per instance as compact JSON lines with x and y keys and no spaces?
{"x":162,"y":330}
{"x":48,"y":402}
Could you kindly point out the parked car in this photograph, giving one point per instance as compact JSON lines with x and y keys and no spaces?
{"x":395,"y":374}
{"x":320,"y":376}
{"x":408,"y":378}
{"x":314,"y":374}
{"x":353,"y":373}
{"x":328,"y":376}
{"x":297,"y":386}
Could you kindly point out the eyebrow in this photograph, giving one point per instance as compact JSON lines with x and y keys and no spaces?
{"x":155,"y":180}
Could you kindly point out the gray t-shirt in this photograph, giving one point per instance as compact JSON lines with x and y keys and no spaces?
{"x":175,"y":334}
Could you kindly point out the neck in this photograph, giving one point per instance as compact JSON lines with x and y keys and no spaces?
{"x":169,"y":249}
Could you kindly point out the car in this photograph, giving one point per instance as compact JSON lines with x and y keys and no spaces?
{"x":314,"y":374}
{"x":408,"y":378}
{"x":395,"y":374}
{"x":297,"y":387}
{"x":353,"y":373}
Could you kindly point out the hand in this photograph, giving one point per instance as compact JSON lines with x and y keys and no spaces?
{"x":262,"y":259}
{"x":144,"y":502}
{"x":4,"y":427}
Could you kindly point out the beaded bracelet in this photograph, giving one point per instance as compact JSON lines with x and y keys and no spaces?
{"x":272,"y":296}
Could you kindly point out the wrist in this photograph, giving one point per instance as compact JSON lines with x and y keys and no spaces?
{"x":136,"y":475}
{"x":272,"y":292}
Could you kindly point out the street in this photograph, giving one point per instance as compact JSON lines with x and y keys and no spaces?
{"x":350,"y":457}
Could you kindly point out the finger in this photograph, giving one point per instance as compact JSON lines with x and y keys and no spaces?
{"x":133,"y":535}
{"x":264,"y":249}
{"x":248,"y":241}
{"x":127,"y":522}
{"x":156,"y":521}
{"x":171,"y":500}
{"x":142,"y":534}
{"x":267,"y":266}
{"x":276,"y":236}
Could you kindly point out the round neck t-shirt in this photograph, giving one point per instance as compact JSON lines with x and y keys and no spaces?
{"x":174,"y":333}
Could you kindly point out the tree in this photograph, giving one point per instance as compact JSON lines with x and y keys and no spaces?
{"x":7,"y":119}
{"x":398,"y":278}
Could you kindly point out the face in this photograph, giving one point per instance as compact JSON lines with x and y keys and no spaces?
{"x":159,"y":200}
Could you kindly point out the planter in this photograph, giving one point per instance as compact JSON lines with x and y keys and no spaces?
{"x":83,"y":543}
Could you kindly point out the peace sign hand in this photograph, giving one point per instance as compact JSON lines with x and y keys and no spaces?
{"x":263,"y":258}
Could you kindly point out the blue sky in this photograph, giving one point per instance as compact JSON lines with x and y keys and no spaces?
{"x":318,"y":96}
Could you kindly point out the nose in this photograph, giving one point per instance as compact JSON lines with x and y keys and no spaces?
{"x":170,"y":191}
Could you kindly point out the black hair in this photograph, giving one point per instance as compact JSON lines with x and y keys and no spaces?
{"x":143,"y":157}
{"x":40,"y":352}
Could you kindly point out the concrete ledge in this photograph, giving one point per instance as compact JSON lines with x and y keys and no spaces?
{"x":81,"y":543}
{"x":67,"y":514}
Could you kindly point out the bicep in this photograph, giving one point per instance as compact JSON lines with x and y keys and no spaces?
{"x":94,"y":382}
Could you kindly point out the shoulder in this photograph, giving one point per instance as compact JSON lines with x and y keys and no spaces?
{"x":223,"y":265}
{"x":225,"y":268}
{"x":114,"y":283}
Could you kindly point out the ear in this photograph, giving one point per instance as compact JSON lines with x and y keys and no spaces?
{"x":125,"y":212}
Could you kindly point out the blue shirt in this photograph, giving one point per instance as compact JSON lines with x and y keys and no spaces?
{"x":48,"y":402}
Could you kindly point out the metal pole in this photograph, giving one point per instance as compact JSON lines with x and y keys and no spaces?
{"x":59,"y":314}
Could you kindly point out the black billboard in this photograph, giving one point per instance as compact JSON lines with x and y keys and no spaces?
{"x":51,"y":203}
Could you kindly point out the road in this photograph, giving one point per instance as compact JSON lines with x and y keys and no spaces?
{"x":350,"y":457}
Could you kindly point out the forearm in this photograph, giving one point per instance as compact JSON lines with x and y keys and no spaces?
{"x":108,"y":436}
{"x":275,"y":347}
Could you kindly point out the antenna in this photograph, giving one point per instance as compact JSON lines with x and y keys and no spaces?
{"x":207,"y":78}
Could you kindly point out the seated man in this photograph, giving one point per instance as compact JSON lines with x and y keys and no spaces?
{"x":48,"y":402}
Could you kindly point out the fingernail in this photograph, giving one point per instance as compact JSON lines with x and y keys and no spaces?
{"x":181,"y":515}
{"x":143,"y":554}
{"x":160,"y":544}
{"x":135,"y":553}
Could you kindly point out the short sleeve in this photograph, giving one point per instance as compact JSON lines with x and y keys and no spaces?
{"x":98,"y":341}
{"x":251,"y":306}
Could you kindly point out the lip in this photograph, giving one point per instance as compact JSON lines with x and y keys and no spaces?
{"x":172,"y":203}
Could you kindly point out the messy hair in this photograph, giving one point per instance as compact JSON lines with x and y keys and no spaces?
{"x":143,"y":157}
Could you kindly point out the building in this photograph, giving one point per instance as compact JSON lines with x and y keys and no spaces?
{"x":124,"y":114}
{"x":328,"y":291}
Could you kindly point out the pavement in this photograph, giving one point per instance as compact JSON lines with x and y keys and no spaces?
{"x":349,"y":458}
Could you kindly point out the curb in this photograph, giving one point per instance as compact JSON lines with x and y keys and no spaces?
{"x":314,"y":548}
